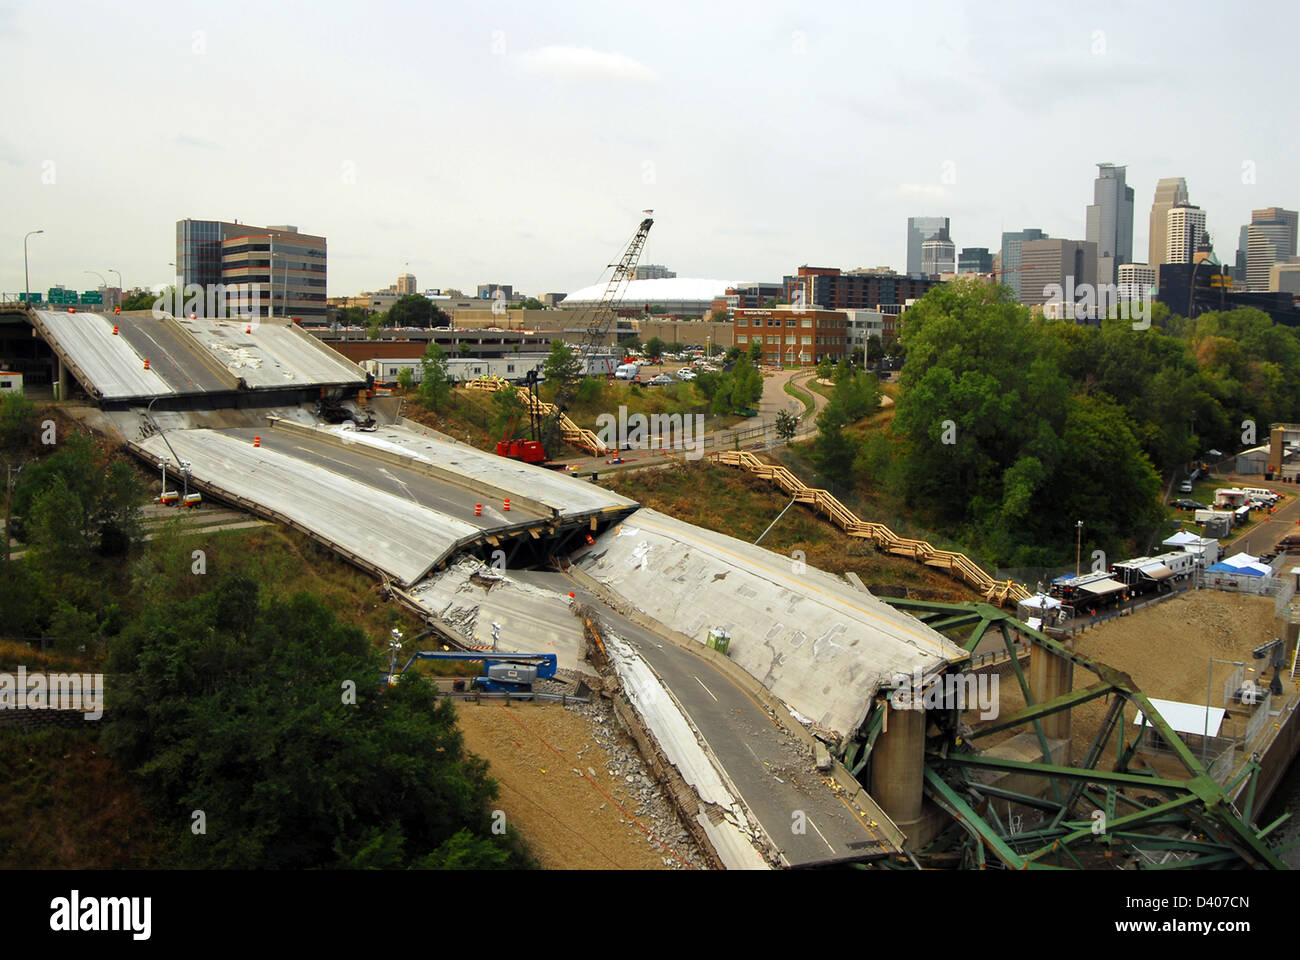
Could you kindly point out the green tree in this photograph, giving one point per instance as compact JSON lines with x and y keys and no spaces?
{"x":267,"y":714}
{"x":654,"y":348}
{"x":532,"y":303}
{"x":756,"y":351}
{"x":834,"y":451}
{"x":562,"y":369}
{"x":786,"y":425}
{"x":435,"y":381}
{"x":375,"y":328}
{"x":414,"y":310}
{"x":508,"y":407}
{"x":405,"y":378}
{"x":140,"y":300}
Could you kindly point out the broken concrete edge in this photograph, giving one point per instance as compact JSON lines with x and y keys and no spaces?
{"x":854,"y":792}
{"x":547,"y":512}
{"x":206,"y":357}
{"x":692,"y":810}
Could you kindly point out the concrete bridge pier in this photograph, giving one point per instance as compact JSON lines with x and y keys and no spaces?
{"x":898,"y":767}
{"x":1051,"y":676}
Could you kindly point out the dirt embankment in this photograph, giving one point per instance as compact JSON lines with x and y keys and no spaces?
{"x":575,"y":787}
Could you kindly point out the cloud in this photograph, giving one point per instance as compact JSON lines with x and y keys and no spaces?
{"x":579,"y":63}
{"x":198,"y":143}
{"x":928,"y":190}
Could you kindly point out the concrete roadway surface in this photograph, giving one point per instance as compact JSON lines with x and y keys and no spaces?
{"x":353,"y":463}
{"x":176,"y":361}
{"x":769,"y":767}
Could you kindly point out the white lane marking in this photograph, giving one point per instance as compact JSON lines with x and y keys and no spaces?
{"x":751,"y":750}
{"x":820,"y":834}
{"x":706,"y":689}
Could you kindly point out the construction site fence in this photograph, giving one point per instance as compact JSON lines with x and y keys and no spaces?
{"x":1285,"y":594}
{"x":1258,"y":718}
{"x":1219,"y":752}
{"x":956,"y":564}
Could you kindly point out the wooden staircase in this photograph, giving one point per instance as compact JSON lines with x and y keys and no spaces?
{"x":999,"y":592}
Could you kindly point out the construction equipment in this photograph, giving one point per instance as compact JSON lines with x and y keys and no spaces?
{"x":513,"y":673}
{"x":603,"y":313}
{"x":531,"y":450}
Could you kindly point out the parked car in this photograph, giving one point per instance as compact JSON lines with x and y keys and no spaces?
{"x":1185,"y":487}
{"x":686,"y":373}
{"x":662,"y":380}
{"x":1185,"y":504}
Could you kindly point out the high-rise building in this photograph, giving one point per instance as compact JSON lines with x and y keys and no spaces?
{"x":1170,"y":192}
{"x":1184,"y":227}
{"x":1110,"y":220}
{"x":938,"y":256}
{"x":919,"y":230}
{"x":406,"y":284}
{"x":1271,"y":238}
{"x":1137,"y":281}
{"x":832,"y":289}
{"x":268,"y":271}
{"x":1010,"y":268}
{"x":1067,"y":264}
{"x":975,"y":260}
{"x":1239,"y":271}
{"x":654,"y":271}
{"x":488,"y":291}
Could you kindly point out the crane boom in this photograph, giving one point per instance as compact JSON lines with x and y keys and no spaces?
{"x":602,"y":314}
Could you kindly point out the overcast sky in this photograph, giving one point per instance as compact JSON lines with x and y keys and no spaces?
{"x":519,"y":142}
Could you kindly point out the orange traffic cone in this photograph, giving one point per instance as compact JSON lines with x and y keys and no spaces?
{"x":146,"y":363}
{"x":478,"y":509}
{"x":507,"y":507}
{"x":257,"y":441}
{"x":115,"y":331}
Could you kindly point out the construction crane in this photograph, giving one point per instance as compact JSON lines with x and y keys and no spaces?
{"x":603,"y":313}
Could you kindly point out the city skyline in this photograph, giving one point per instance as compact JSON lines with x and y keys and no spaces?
{"x":432,"y":195}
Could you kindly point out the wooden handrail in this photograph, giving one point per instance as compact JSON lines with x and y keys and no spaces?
{"x":958,"y":564}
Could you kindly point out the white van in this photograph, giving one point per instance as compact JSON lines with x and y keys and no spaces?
{"x":627,"y":371}
{"x":1260,"y":493}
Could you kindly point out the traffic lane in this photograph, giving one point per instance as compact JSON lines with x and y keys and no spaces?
{"x":175,"y":361}
{"x":768,"y":766}
{"x":1269,"y":529}
{"x":426,"y":491}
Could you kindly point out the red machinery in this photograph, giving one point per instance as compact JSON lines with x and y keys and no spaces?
{"x":531,"y":450}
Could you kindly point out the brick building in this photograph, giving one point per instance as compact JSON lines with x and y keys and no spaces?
{"x":792,"y":336}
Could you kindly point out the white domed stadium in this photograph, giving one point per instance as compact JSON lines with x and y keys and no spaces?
{"x":680,"y":296}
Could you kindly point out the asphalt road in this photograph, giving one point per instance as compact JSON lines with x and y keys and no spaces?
{"x":766,"y":763}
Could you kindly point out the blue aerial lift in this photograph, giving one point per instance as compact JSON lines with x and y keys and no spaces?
{"x":503,"y":672}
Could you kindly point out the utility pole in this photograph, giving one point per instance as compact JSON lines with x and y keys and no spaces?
{"x":1078,"y":544}
{"x":27,"y":282}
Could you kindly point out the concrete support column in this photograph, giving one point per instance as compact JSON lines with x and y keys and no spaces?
{"x":897,"y":766}
{"x":63,"y":379}
{"x":1049,"y":677}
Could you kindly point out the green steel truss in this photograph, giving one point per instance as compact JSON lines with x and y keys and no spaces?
{"x":1150,"y":822}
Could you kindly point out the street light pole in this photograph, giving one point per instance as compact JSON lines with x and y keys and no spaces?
{"x":27,"y":283}
{"x":1078,"y":544}
{"x":119,"y":286}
